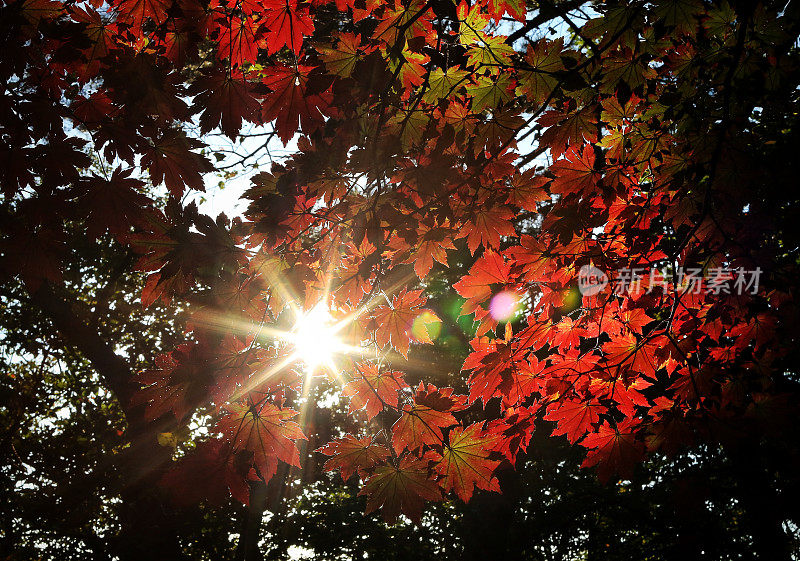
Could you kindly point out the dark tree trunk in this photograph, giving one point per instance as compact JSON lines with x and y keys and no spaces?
{"x":489,"y":519}
{"x":148,"y":526}
{"x":763,"y":510}
{"x":247,"y":549}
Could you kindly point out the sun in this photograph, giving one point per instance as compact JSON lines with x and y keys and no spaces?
{"x":314,"y":337}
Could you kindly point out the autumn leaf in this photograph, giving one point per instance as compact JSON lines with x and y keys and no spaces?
{"x":401,"y":490}
{"x":174,"y":385}
{"x":412,"y":19}
{"x":491,"y":52}
{"x":527,"y":189}
{"x":170,"y":159}
{"x":410,"y":68}
{"x":265,"y":430}
{"x":36,"y":10}
{"x":113,"y":205}
{"x":472,"y":21}
{"x":575,"y":173}
{"x":237,"y":40}
{"x":442,"y":83}
{"x":514,"y":8}
{"x":627,"y":351}
{"x":393,"y":324}
{"x":135,"y":12}
{"x":613,"y":449}
{"x":574,"y":418}
{"x":490,"y":92}
{"x":489,"y":269}
{"x":420,"y":425}
{"x":512,"y":434}
{"x":226,"y":102}
{"x":351,"y":454}
{"x":286,"y":22}
{"x":432,"y":246}
{"x":410,"y":125}
{"x":342,"y":59}
{"x":568,"y":334}
{"x":487,"y":225}
{"x":210,"y":471}
{"x":372,"y":388}
{"x":288,"y":102}
{"x":569,"y":130}
{"x":539,"y":81}
{"x":499,"y":368}
{"x":465,"y":463}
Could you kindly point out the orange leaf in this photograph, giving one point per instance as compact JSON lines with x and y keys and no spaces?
{"x":401,"y":490}
{"x":420,"y":425}
{"x":353,"y":455}
{"x":372,"y":388}
{"x":574,"y":418}
{"x":489,"y":269}
{"x":265,"y":430}
{"x":465,"y":462}
{"x":393,"y":324}
{"x":613,"y":450}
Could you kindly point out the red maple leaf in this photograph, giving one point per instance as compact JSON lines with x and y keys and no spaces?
{"x":613,"y":449}
{"x":34,"y":255}
{"x":36,"y":10}
{"x":500,"y":368}
{"x":135,"y":12}
{"x":372,"y":388}
{"x":237,"y":40}
{"x":176,"y":384}
{"x":487,"y":224}
{"x":567,"y":335}
{"x":401,"y":489}
{"x":490,"y":269}
{"x":513,"y":433}
{"x":527,"y":189}
{"x":265,"y":430}
{"x":170,"y":159}
{"x":289,"y":103}
{"x":432,"y":246}
{"x":567,"y":129}
{"x":211,"y":471}
{"x":573,"y":417}
{"x":286,"y":23}
{"x":113,"y":205}
{"x":393,"y":324}
{"x":627,"y":352}
{"x":575,"y":173}
{"x":421,"y":425}
{"x":464,"y":462}
{"x":226,"y":102}
{"x":350,"y":455}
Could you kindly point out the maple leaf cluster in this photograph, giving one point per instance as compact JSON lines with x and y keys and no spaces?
{"x":411,"y":120}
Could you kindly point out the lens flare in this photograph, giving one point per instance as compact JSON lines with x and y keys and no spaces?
{"x":426,"y":327}
{"x":504,"y":305}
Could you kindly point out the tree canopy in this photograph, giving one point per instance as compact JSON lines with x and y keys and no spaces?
{"x":588,"y":203}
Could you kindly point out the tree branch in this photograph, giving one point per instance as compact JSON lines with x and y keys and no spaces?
{"x":546,"y":13}
{"x":75,"y":327}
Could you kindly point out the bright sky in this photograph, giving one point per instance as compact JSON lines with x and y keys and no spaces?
{"x":225,"y":194}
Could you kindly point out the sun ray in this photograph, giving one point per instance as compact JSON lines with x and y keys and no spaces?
{"x":259,"y":379}
{"x":315,"y":336}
